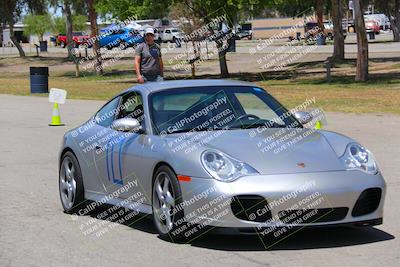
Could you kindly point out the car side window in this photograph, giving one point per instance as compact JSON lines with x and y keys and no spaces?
{"x":105,"y":116}
{"x":167,"y":31}
{"x":131,"y":107}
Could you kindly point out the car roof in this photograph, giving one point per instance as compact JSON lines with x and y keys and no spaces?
{"x":151,"y":87}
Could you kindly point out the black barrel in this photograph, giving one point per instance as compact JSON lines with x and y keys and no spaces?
{"x":43,"y":46}
{"x":39,"y":79}
{"x":231,"y":45}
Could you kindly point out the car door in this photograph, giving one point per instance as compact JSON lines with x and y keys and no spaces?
{"x":123,"y":151}
{"x":103,"y":137}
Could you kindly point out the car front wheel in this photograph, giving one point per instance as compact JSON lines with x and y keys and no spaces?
{"x":166,"y":197}
{"x":70,"y":183}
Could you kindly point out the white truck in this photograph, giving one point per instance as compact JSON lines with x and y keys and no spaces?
{"x":169,"y":35}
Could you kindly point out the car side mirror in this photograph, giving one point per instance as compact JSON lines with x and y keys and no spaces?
{"x":127,"y":125}
{"x":303,"y":117}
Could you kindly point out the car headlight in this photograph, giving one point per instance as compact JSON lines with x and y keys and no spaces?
{"x":357,"y":157}
{"x":223,"y":167}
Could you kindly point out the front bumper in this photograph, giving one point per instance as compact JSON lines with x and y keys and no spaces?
{"x":209,"y":202}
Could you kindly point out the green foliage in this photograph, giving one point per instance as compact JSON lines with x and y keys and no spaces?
{"x":59,"y":25}
{"x":235,"y":10}
{"x":293,"y":8}
{"x":78,"y":24}
{"x":37,"y":25}
{"x":140,"y":9}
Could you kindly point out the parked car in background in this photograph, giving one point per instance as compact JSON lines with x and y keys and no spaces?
{"x":312,"y":30}
{"x":244,"y":34}
{"x":169,"y":35}
{"x":382,"y":20}
{"x":79,"y":38}
{"x":372,"y":26}
{"x":122,"y":37}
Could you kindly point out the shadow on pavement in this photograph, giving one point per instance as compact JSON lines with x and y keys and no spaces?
{"x":302,"y":239}
{"x":307,"y":238}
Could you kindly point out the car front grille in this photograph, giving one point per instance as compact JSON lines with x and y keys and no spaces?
{"x":251,"y":208}
{"x":367,"y":202}
{"x":312,"y":215}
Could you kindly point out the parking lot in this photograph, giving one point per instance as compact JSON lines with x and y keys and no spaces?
{"x":35,"y":232}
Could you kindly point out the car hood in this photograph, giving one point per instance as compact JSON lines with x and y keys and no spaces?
{"x":291,"y":151}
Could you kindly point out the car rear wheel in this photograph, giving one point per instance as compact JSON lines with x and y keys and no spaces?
{"x":166,"y":196}
{"x":70,"y":183}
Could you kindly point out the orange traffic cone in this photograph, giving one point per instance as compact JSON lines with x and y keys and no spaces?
{"x":56,"y":118}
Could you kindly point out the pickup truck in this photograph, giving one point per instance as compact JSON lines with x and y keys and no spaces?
{"x":79,"y":38}
{"x":169,"y":35}
{"x":124,"y":37}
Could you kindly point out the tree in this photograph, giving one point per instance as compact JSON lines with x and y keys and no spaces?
{"x":69,"y":26}
{"x":362,"y":42}
{"x":140,"y":9}
{"x":319,"y":10}
{"x":207,"y":10}
{"x":37,"y":25}
{"x":36,"y":7}
{"x":10,"y":12}
{"x":391,"y":9}
{"x":338,"y":37}
{"x":396,"y":23}
{"x":94,"y":34}
{"x":78,"y":24}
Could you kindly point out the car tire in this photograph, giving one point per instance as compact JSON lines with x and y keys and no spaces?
{"x":62,"y":44}
{"x":170,"y":227}
{"x":70,"y":183}
{"x":123,"y":45}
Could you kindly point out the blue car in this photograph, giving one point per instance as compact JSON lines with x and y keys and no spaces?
{"x":122,"y":37}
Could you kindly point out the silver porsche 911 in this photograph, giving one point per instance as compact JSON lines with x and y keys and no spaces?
{"x":216,"y":153}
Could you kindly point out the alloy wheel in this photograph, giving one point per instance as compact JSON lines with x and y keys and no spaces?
{"x":67,"y":183}
{"x":163,"y":202}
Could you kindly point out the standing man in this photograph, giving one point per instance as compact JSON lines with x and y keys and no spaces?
{"x":148,"y":62}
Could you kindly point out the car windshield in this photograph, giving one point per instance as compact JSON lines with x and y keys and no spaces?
{"x":216,"y":108}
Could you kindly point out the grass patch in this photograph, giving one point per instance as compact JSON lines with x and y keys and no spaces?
{"x":381,"y":94}
{"x":339,"y":97}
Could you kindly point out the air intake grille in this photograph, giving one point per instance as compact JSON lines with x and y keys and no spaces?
{"x":251,"y":208}
{"x":368,"y":202}
{"x":312,"y":215}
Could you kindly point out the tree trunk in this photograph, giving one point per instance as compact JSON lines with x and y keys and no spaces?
{"x":14,"y":39}
{"x":395,"y":24}
{"x":397,"y":13}
{"x":362,"y":42}
{"x":94,"y":33}
{"x":222,"y":59}
{"x":1,"y":33}
{"x":319,"y":8}
{"x":338,"y":37}
{"x":222,"y":55}
{"x":68,"y":25}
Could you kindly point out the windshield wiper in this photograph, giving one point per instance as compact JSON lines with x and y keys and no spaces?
{"x":256,"y":125}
